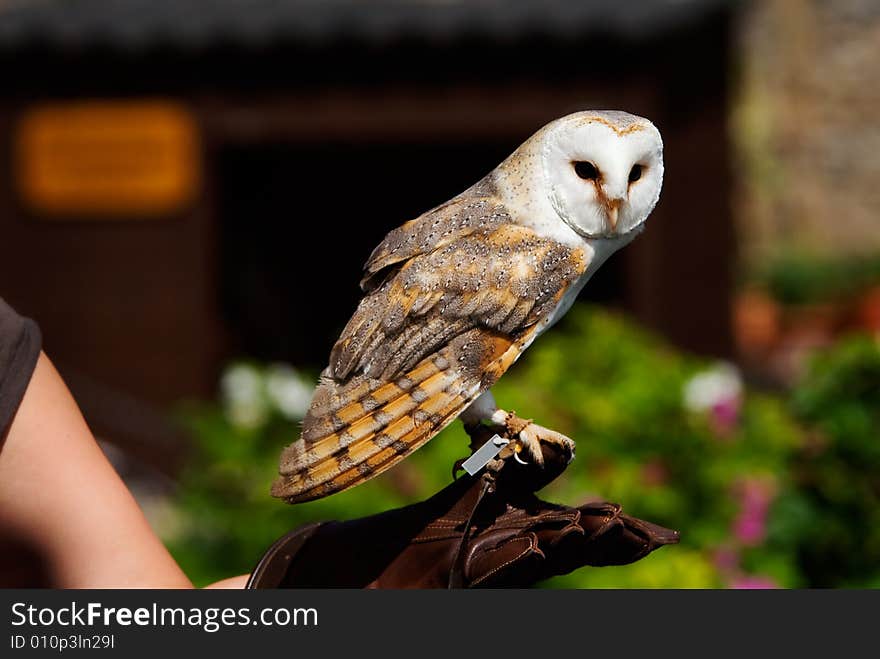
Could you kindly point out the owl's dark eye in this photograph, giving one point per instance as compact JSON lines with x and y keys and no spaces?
{"x":635,"y":173}
{"x":586,"y":170}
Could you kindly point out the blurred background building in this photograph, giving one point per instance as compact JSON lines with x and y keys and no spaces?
{"x":188,"y":183}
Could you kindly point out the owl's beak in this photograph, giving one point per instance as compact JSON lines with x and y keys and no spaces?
{"x":611,"y":203}
{"x":612,"y":217}
{"x":612,"y":208}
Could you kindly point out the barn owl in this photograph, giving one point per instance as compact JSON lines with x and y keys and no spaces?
{"x":454,"y":297}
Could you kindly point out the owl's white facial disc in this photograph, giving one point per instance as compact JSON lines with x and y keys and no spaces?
{"x":603,"y":171}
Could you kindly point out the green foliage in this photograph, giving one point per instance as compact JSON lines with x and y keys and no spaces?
{"x":618,"y":392}
{"x":739,"y":478}
{"x":834,"y":514}
{"x":804,"y":279}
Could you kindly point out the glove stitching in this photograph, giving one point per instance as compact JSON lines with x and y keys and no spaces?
{"x":532,"y":547}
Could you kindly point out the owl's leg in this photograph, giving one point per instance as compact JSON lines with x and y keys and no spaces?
{"x":485,"y":411}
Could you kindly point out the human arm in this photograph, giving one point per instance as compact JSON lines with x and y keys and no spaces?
{"x":59,"y":493}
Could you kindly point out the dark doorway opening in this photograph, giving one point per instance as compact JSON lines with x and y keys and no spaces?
{"x":298,"y":221}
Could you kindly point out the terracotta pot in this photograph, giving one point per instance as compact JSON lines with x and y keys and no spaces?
{"x":820,"y":321}
{"x":868,"y":310}
{"x":756,"y":318}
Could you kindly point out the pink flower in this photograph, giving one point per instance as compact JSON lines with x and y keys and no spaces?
{"x":717,"y":393}
{"x":747,"y":582}
{"x":750,"y":526}
{"x":726,"y":559}
{"x":750,"y":530}
{"x":724,"y":415}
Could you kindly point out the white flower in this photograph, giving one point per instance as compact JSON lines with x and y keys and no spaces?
{"x":287,"y":391}
{"x":243,"y":394}
{"x":716,"y":386}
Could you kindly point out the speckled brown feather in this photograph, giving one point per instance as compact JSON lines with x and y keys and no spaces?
{"x":476,"y":209}
{"x":447,"y":312}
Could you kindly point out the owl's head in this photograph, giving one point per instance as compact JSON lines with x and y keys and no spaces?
{"x":602,"y":170}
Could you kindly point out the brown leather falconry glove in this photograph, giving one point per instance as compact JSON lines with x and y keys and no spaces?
{"x":485,"y":530}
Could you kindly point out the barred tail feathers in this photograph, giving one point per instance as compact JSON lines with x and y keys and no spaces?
{"x":358,"y":429}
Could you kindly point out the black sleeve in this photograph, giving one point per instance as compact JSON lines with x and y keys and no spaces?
{"x":20,"y":342}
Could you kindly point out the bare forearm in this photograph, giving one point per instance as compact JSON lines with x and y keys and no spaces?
{"x":59,"y":492}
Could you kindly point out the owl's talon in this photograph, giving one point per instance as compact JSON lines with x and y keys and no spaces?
{"x":530,"y":442}
{"x":526,"y":437}
{"x":531,"y":436}
{"x":495,"y":465}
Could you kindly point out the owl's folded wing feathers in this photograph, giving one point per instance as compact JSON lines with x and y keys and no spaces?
{"x":445,"y":320}
{"x":477,"y":209}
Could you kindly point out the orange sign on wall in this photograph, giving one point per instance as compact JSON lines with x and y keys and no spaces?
{"x":111,"y":159}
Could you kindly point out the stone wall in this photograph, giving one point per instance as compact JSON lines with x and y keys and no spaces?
{"x":806,"y":124}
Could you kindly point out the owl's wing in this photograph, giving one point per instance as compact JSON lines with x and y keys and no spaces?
{"x":439,"y":329}
{"x":477,"y":209}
